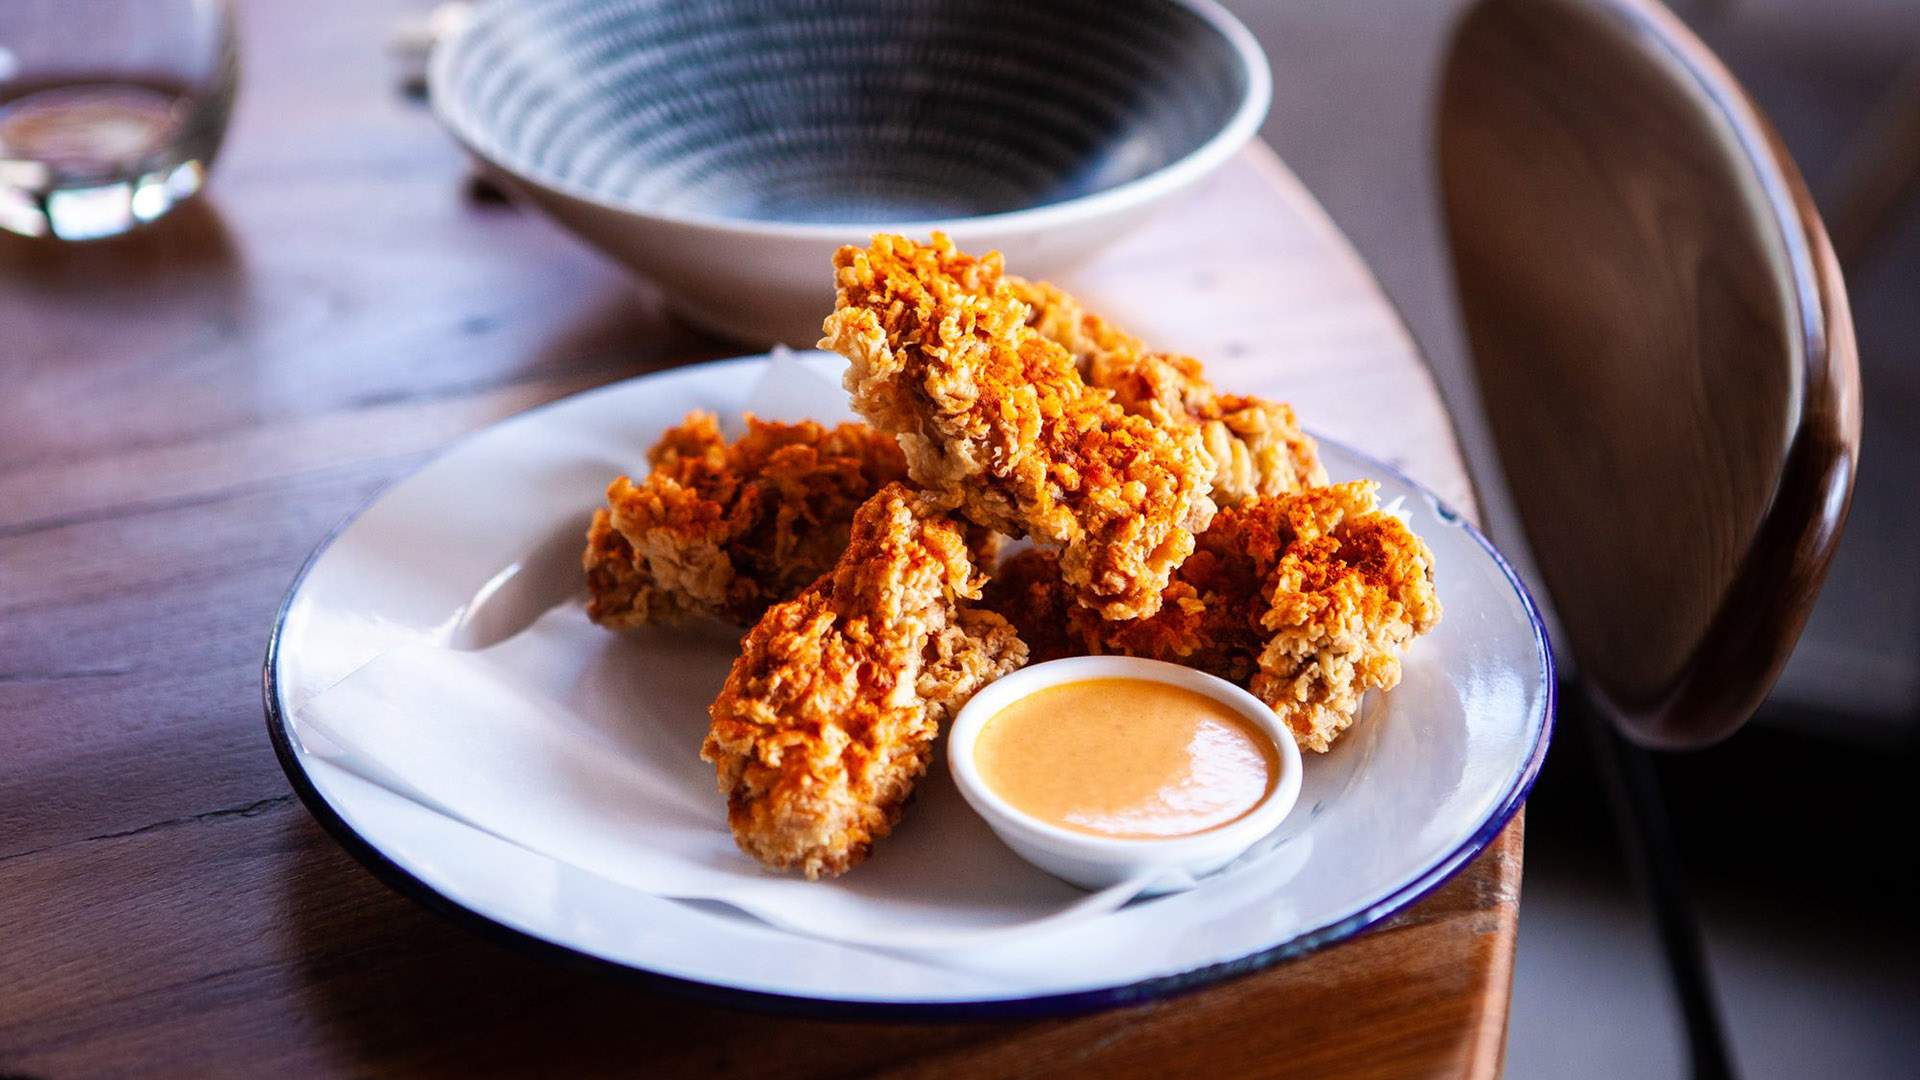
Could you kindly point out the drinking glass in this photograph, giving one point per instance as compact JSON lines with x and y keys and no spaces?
{"x":110,"y":110}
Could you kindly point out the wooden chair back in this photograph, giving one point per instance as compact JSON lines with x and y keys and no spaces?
{"x":1663,"y":347}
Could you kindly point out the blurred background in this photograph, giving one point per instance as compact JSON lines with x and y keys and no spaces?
{"x":1796,"y":831}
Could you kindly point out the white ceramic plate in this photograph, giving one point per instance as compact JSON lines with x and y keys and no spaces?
{"x":475,"y":545}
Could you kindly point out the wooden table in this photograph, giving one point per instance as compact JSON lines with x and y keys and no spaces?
{"x":190,"y":410}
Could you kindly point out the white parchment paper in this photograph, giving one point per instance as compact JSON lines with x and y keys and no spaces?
{"x":583,"y":745}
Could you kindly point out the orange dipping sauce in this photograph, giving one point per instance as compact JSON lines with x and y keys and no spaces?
{"x":1127,"y":758}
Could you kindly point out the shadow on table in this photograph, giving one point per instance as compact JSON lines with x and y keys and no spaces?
{"x":395,"y":986}
{"x":191,"y":243}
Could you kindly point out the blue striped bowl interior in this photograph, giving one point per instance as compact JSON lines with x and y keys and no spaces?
{"x":841,"y":111}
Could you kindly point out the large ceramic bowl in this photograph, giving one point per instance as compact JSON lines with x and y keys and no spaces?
{"x":726,"y":148}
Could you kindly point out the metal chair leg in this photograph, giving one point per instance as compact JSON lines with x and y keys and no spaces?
{"x":1646,"y":836}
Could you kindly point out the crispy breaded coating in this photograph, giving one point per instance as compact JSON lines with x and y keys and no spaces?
{"x":1353,"y":586}
{"x":831,"y":712}
{"x":1257,"y":445}
{"x":728,"y":530}
{"x":620,"y":592}
{"x":996,"y":421}
{"x":1305,"y":599}
{"x":1028,"y":590}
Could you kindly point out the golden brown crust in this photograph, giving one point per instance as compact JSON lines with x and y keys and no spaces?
{"x":830,"y":714}
{"x":1029,"y":592}
{"x":997,"y":422}
{"x":619,"y":589}
{"x":1257,"y":445}
{"x":727,"y":530}
{"x":1305,"y":599}
{"x":1351,"y":586}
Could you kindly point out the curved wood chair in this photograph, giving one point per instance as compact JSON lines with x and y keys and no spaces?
{"x":1663,"y":347}
{"x":1667,"y":362}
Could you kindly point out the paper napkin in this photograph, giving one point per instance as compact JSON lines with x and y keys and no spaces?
{"x":583,"y":745}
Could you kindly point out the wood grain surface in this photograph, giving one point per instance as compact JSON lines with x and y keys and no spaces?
{"x":1663,"y":344}
{"x":191,"y":409}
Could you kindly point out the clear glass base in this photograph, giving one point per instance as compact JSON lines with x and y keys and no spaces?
{"x":85,"y":160}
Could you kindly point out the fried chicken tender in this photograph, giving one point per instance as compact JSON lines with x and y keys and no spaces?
{"x":1305,"y":599}
{"x":997,"y":422}
{"x":831,"y":712}
{"x":1256,"y":445}
{"x":728,"y":530}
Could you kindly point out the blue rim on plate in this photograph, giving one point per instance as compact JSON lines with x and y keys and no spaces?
{"x":1162,"y":987}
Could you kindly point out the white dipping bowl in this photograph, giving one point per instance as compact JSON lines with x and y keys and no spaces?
{"x":1096,"y":862}
{"x":726,"y":149}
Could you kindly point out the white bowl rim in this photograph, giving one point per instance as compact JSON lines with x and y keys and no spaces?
{"x":1159,"y":851}
{"x":1197,"y":163}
